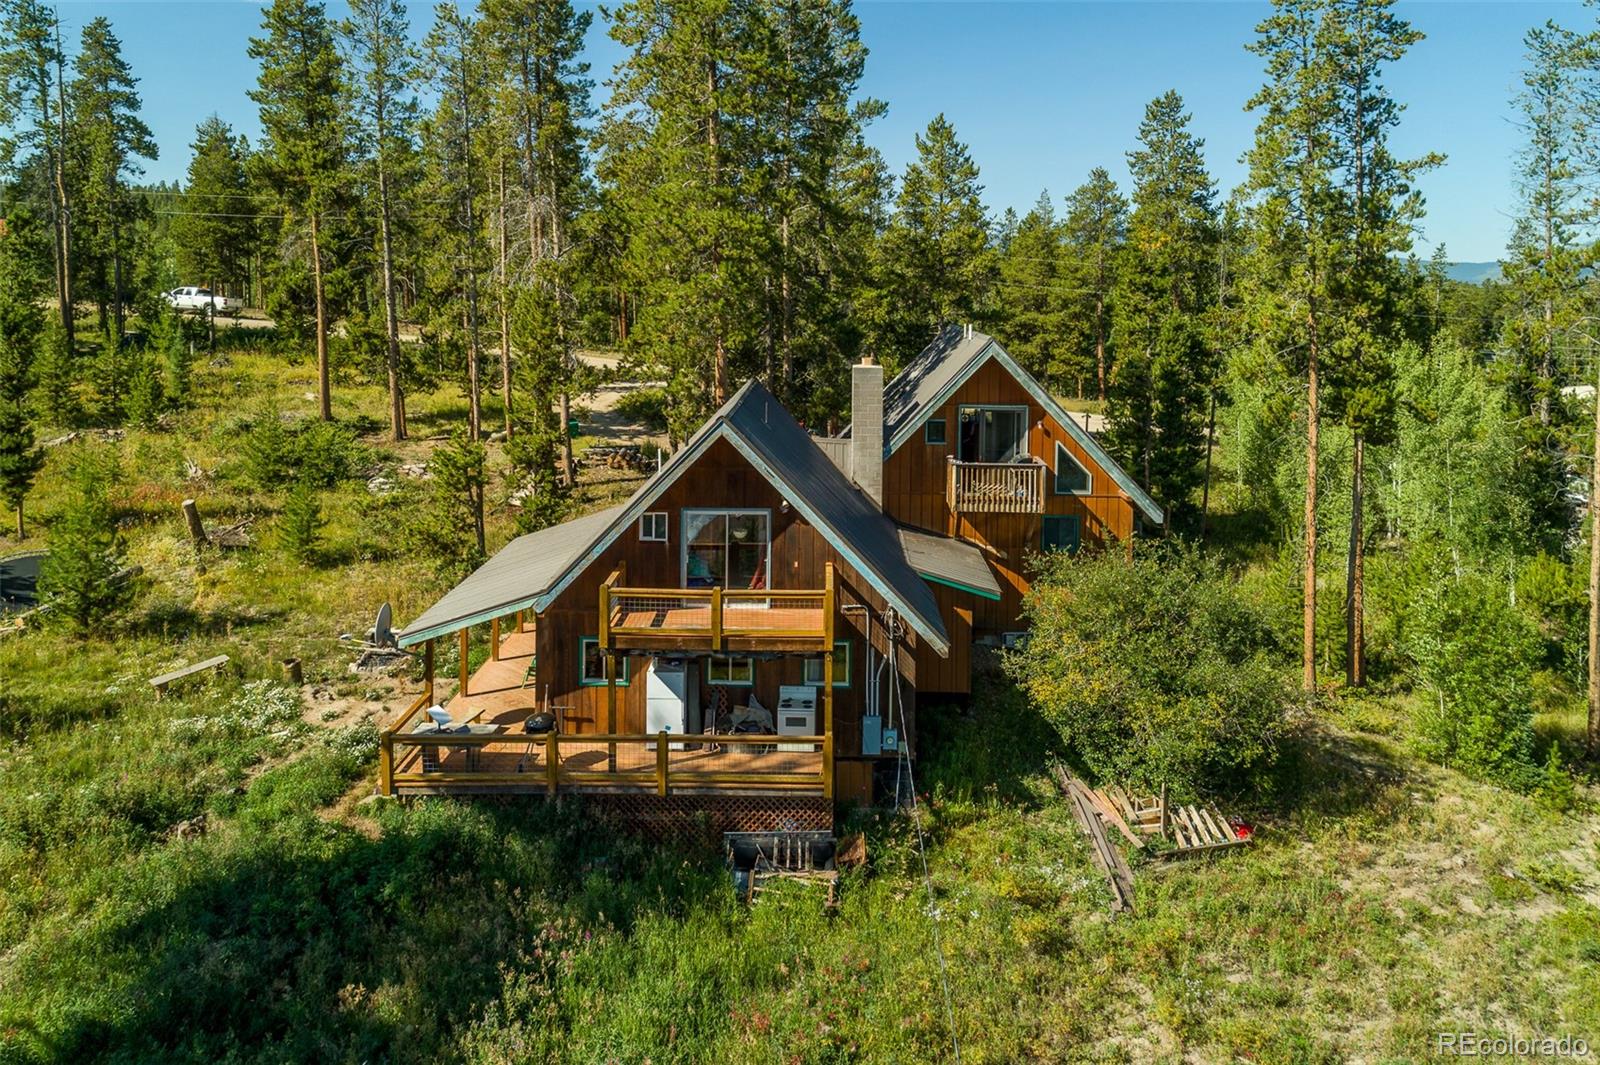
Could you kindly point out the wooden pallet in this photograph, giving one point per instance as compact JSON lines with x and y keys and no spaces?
{"x":1192,"y":829}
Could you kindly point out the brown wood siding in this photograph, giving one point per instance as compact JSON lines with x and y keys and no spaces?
{"x":915,"y":479}
{"x":721,"y":478}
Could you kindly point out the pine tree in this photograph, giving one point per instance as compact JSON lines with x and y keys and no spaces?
{"x":1371,"y":282}
{"x":1033,"y":292}
{"x":534,"y":444}
{"x":21,"y":326}
{"x":33,"y":124}
{"x":937,"y":267}
{"x":301,"y":523}
{"x":215,"y":234}
{"x":681,"y":157}
{"x":300,"y":93}
{"x":1157,"y":399}
{"x":56,"y":373}
{"x":110,"y":137}
{"x":1547,"y":262}
{"x":454,"y":141}
{"x":383,"y":68}
{"x":458,"y":478}
{"x":144,"y":400}
{"x":82,"y":579}
{"x":1297,"y":223}
{"x":1095,"y":234}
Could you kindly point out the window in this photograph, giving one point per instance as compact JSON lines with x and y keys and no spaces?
{"x":841,"y":667}
{"x":993,"y":434}
{"x":726,"y":548}
{"x":933,"y":432}
{"x":1062,"y":532}
{"x":739,"y":672}
{"x":1071,"y":478}
{"x":592,"y":663}
{"x":653,"y":526}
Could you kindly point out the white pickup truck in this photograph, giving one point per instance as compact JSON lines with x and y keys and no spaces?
{"x":203,"y":301}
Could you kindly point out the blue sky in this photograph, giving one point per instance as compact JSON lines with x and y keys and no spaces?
{"x":1042,"y":91}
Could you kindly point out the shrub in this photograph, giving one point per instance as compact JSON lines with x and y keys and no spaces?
{"x":1474,"y":653}
{"x":277,"y":453}
{"x":1155,"y":671}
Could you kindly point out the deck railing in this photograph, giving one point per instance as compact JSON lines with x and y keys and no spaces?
{"x":996,"y":487}
{"x":660,"y":763}
{"x":649,"y":617}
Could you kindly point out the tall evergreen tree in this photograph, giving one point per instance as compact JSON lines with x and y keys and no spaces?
{"x":542,"y":102}
{"x":215,"y":233}
{"x":1384,"y":208}
{"x":21,"y":326}
{"x":937,"y":265}
{"x":110,"y":138}
{"x":1297,"y":221}
{"x":680,"y":155}
{"x":382,"y":68}
{"x":299,"y":90}
{"x":33,"y":114}
{"x":1095,"y":235}
{"x":1546,"y":262}
{"x":454,"y":136}
{"x":1166,"y":363}
{"x":1033,"y":292}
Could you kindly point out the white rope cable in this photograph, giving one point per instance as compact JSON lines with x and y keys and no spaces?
{"x":897,"y":705}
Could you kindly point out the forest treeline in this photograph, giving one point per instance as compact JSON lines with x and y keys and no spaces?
{"x":472,"y":207}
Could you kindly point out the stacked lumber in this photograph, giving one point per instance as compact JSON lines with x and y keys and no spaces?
{"x":1088,"y":812}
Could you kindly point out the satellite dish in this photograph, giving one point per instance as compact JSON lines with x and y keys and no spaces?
{"x":382,"y":634}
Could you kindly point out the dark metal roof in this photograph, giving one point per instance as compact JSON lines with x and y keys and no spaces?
{"x":945,"y":560}
{"x":762,"y":429}
{"x":511,"y":580}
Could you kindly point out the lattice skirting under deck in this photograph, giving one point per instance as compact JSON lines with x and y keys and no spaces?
{"x":662,"y":816}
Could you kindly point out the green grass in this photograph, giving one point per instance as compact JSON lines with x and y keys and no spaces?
{"x":195,"y":879}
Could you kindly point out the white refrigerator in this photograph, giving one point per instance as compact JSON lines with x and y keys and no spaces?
{"x":671,"y":698}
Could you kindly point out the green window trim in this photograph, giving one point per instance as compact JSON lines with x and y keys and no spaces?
{"x":727,"y":662}
{"x":586,"y":681}
{"x":841,"y":666}
{"x":929,"y":434}
{"x":1061,"y":532}
{"x":1064,"y":487}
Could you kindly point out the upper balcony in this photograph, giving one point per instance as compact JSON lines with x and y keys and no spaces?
{"x":716,"y":619}
{"x":996,"y":487}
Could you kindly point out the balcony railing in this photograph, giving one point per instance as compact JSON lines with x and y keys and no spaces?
{"x":717,"y":619}
{"x":996,"y":487}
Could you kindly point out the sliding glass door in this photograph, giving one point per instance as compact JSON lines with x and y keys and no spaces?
{"x":727,"y":548}
{"x":993,"y":434}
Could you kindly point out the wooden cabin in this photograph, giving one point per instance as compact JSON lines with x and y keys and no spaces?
{"x":747,"y":637}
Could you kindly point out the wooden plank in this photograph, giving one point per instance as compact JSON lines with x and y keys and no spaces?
{"x":1108,"y":812}
{"x":160,"y":683}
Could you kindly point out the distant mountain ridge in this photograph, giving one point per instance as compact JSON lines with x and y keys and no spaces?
{"x":1472,"y":273}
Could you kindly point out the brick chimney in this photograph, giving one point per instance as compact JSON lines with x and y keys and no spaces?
{"x":866,"y":428}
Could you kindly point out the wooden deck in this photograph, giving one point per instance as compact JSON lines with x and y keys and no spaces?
{"x":502,"y":693}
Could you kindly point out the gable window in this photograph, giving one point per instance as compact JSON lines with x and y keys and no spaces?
{"x":734,"y":671}
{"x":727,"y":548}
{"x":1072,"y":479}
{"x":592,"y":664}
{"x":933,"y":432}
{"x":993,"y":434}
{"x":1062,"y":532}
{"x":653,"y":526}
{"x":841,"y":667}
